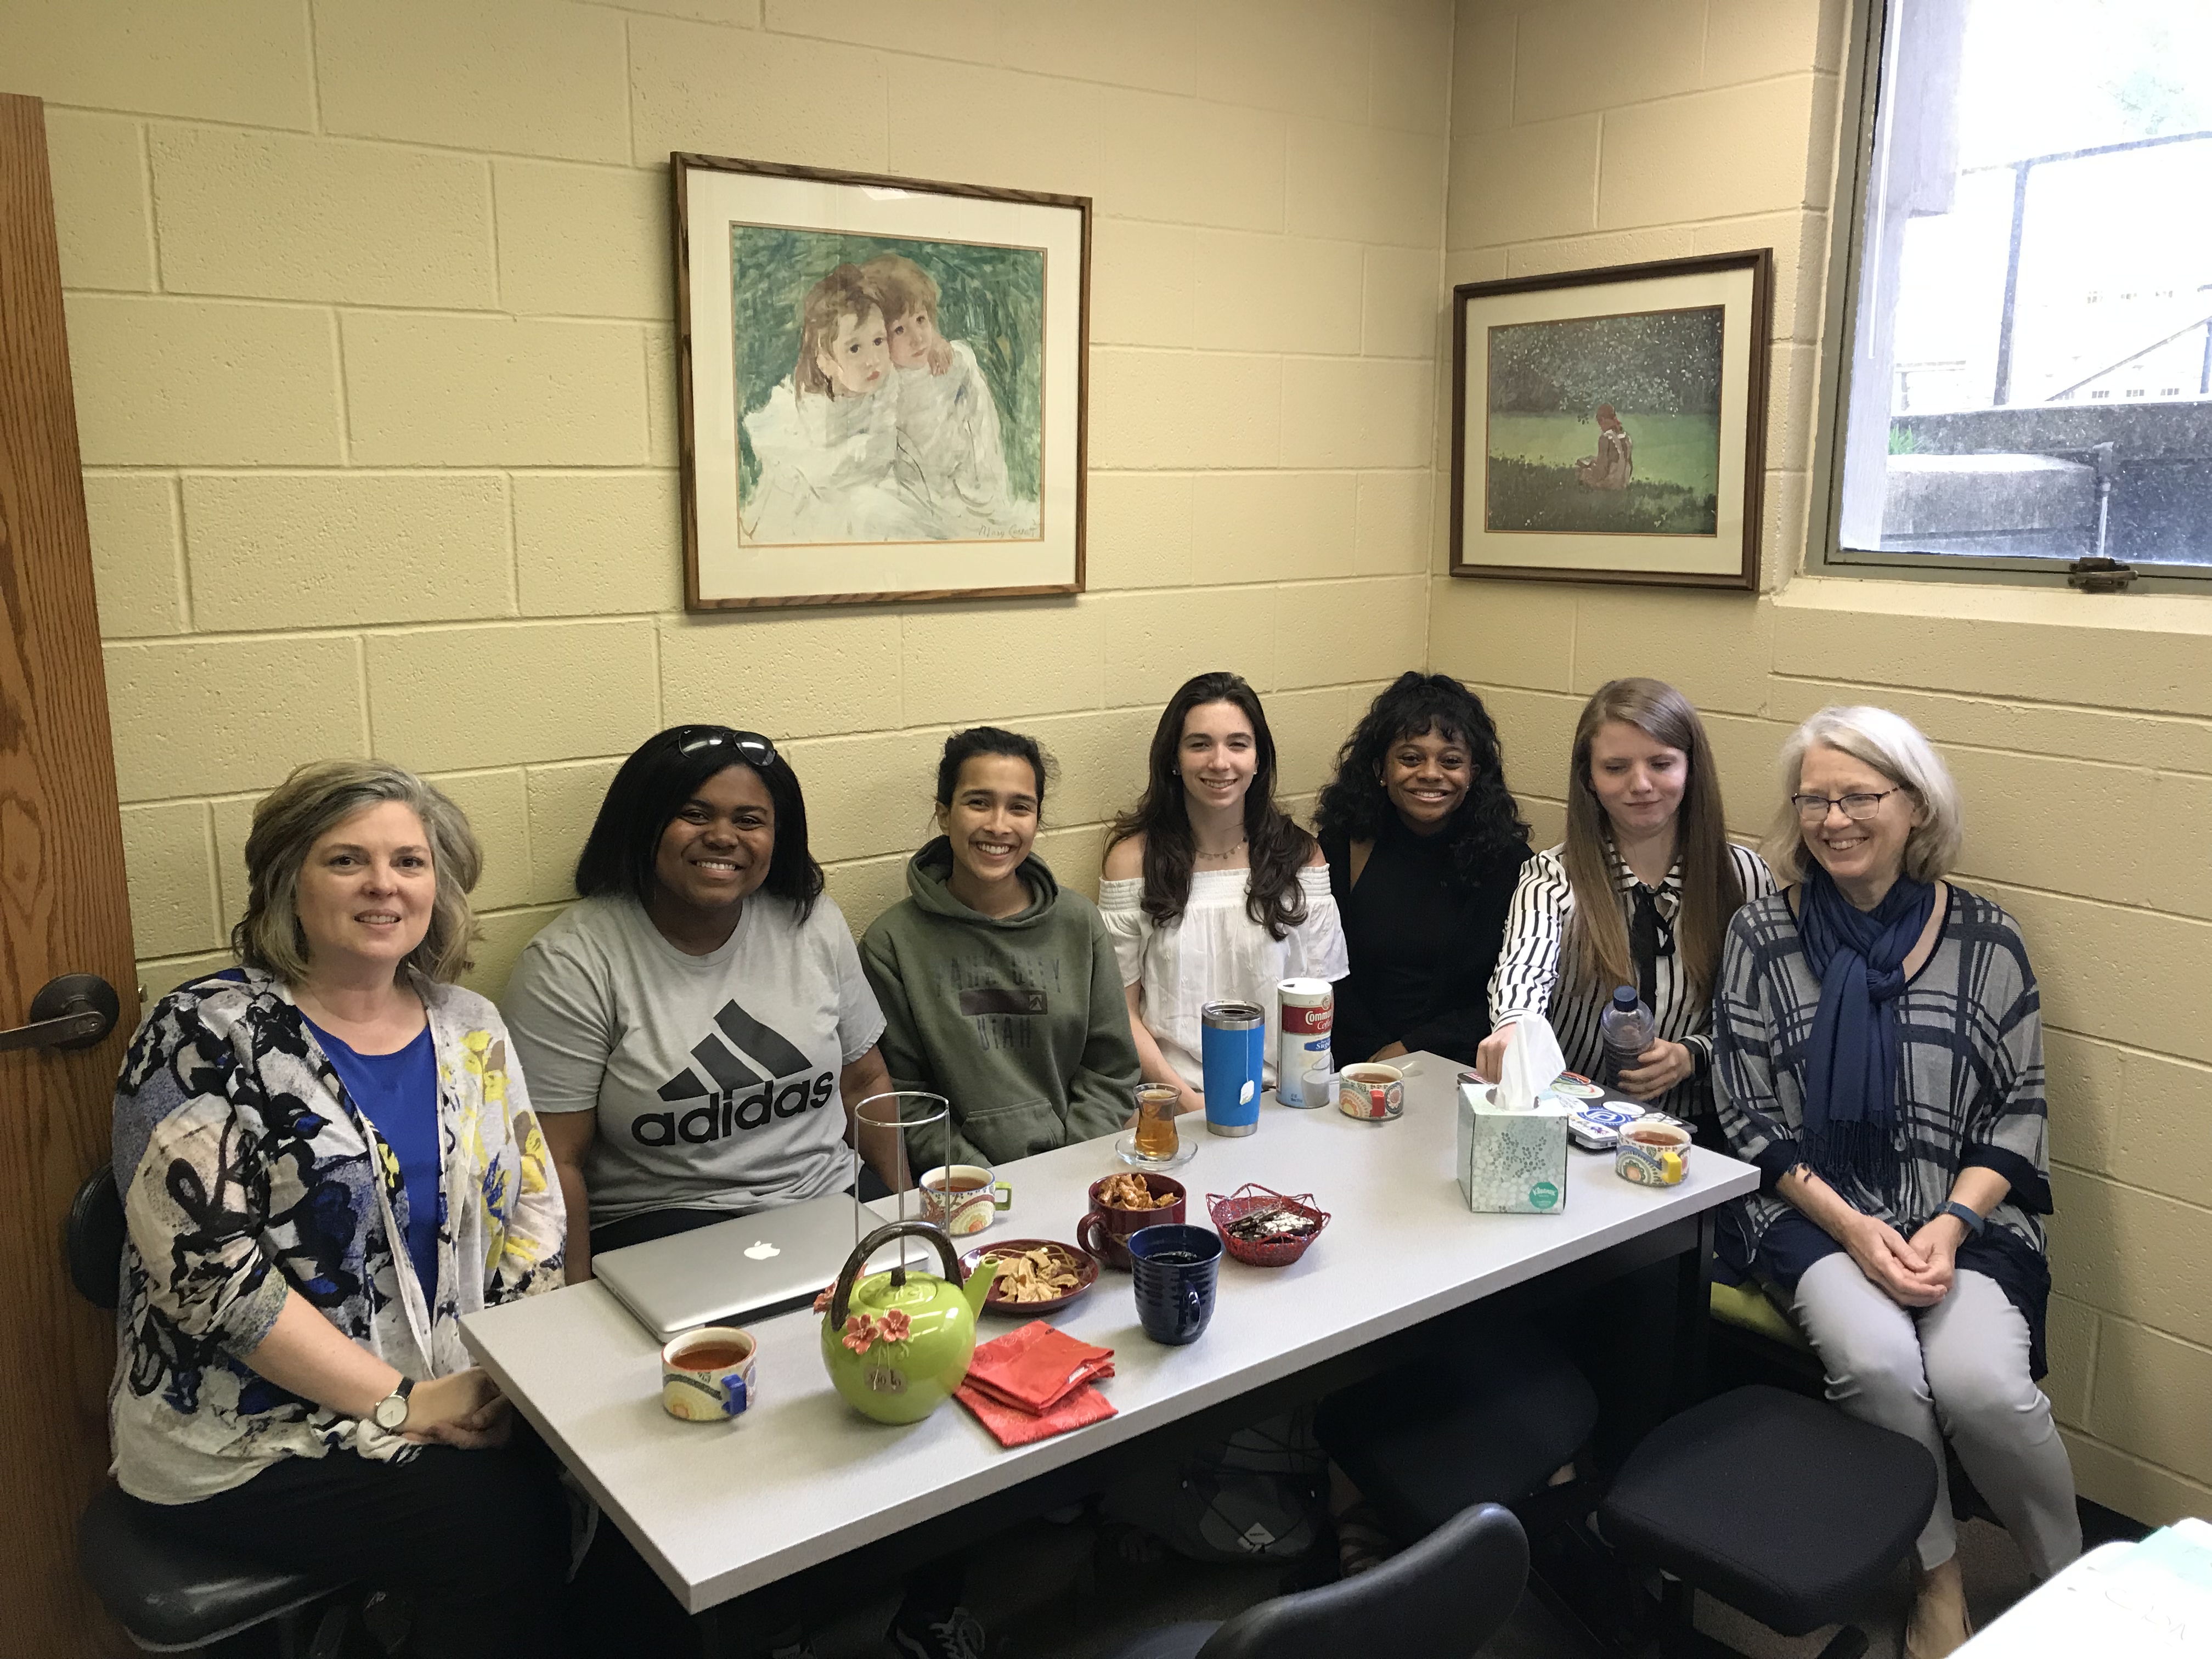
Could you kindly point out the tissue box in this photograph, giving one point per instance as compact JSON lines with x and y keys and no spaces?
{"x":1512,"y":1162}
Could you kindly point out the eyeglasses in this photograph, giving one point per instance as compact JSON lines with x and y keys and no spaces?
{"x":756,"y":750}
{"x":1812,"y":808}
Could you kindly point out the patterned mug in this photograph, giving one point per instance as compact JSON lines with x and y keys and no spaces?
{"x":1653,"y":1154}
{"x":707,"y":1376}
{"x":1372,"y":1092}
{"x":962,"y":1199}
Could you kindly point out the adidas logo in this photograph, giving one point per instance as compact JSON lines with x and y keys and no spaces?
{"x":775,"y":1054}
{"x":743,"y":1077}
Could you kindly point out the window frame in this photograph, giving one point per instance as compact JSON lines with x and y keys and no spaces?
{"x":1825,"y":552}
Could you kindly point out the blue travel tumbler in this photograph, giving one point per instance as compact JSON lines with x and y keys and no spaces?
{"x":1232,"y":1050}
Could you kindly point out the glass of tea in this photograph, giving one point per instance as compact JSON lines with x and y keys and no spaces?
{"x":1156,"y":1121}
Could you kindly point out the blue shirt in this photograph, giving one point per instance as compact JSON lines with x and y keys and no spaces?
{"x":398,"y":1093}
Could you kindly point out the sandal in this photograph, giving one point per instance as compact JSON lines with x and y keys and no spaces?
{"x":1362,"y":1545}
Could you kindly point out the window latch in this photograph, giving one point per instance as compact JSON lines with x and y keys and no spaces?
{"x":2099,"y":575}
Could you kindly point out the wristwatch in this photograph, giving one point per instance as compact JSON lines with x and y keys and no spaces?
{"x":391,"y":1412}
{"x":1973,"y":1222}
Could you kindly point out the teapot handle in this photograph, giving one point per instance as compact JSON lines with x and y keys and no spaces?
{"x":841,"y":1299}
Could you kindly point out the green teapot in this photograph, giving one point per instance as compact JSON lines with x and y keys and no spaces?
{"x":896,"y":1343}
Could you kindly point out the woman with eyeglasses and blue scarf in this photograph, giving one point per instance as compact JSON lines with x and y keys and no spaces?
{"x":697,"y":1030}
{"x":1878,"y":1045}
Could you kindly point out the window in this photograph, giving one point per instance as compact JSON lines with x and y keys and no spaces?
{"x":2024,"y":378}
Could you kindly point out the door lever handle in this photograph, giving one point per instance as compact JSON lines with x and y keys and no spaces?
{"x":73,"y":1012}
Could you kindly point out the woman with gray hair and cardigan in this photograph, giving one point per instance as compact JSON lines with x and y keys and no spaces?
{"x":327,"y":1158}
{"x":1878,"y":1045}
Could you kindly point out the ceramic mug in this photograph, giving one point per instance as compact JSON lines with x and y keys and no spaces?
{"x":707,"y":1376}
{"x":1653,"y":1154}
{"x":1371,"y":1091}
{"x":1104,"y":1232}
{"x":962,"y":1199}
{"x":1176,"y":1270}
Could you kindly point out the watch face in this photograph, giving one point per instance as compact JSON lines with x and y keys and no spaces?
{"x":391,"y":1412}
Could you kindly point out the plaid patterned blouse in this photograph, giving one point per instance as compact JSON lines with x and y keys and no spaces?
{"x":1970,"y":1084}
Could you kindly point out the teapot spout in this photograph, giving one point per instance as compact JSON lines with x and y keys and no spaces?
{"x":979,"y":1286}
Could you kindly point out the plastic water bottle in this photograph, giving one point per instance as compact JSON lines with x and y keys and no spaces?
{"x":1625,"y":1029}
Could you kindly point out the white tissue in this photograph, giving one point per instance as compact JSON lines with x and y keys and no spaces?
{"x":1533,"y":1063}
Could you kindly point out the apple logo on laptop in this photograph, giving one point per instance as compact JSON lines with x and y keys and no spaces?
{"x":761,"y":1250}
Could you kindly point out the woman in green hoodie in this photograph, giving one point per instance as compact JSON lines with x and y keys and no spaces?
{"x":998,"y":987}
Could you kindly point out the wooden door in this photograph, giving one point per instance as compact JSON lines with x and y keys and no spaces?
{"x":63,"y":909}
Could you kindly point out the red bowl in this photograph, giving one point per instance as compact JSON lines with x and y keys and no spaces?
{"x":1274,"y":1252}
{"x":1104,"y":1232}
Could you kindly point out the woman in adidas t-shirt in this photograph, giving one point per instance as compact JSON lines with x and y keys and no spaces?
{"x":696,"y":1030}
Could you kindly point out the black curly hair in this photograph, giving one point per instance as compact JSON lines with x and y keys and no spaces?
{"x":1486,"y":830}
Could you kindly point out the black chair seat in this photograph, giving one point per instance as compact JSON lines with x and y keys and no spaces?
{"x":1169,"y":1642}
{"x":169,"y":1594}
{"x":1781,"y":1507}
{"x":1487,"y":1420}
{"x":1441,"y":1599}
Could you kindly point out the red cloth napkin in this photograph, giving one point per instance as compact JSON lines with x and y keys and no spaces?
{"x":1035,"y":1368}
{"x":1011,"y":1427}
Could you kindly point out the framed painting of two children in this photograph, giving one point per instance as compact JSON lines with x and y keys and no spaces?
{"x":881,"y":384}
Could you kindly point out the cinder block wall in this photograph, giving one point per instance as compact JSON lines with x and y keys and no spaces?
{"x":370,"y":312}
{"x":1589,"y":133}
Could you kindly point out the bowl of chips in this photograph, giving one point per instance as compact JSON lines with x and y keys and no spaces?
{"x":1263,"y":1226}
{"x":1036,"y":1275}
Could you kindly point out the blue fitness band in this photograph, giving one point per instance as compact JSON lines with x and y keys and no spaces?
{"x":1974,"y":1223}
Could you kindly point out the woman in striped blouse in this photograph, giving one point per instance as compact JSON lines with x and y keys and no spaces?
{"x":1640,"y":893}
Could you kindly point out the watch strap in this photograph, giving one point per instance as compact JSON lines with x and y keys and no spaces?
{"x":1974,"y":1222}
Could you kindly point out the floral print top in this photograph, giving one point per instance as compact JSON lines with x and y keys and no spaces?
{"x":248,"y":1175}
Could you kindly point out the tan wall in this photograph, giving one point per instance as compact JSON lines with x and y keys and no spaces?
{"x":1585,"y":133}
{"x":370,"y":311}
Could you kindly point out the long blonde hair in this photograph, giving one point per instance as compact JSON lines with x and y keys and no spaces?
{"x":1598,"y":956}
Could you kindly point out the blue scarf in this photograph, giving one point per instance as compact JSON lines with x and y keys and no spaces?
{"x":1851,"y":1066}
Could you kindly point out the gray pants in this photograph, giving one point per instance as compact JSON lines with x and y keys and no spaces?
{"x":1957,"y":1369}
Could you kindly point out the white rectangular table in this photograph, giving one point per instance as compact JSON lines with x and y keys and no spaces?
{"x":721,"y":1509}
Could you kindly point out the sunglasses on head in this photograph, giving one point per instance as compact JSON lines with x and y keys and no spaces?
{"x":754,"y":749}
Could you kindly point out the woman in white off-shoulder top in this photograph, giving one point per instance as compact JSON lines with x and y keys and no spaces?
{"x":1212,"y":892}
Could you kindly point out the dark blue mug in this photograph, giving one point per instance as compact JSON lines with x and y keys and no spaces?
{"x":1176,"y":1267}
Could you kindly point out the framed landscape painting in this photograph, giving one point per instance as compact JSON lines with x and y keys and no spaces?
{"x":881,"y":386}
{"x":1611,"y":425}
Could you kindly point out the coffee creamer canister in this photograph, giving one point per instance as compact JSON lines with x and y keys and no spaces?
{"x":1308,"y":1012}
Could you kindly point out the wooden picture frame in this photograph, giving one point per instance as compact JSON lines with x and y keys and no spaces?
{"x":1682,"y":345}
{"x":883,"y":387}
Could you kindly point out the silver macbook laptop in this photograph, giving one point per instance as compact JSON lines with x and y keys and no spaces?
{"x":747,"y":1266}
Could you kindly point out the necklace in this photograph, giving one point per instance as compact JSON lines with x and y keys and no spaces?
{"x":1216,"y":858}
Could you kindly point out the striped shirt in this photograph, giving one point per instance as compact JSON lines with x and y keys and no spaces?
{"x":1531,"y":976}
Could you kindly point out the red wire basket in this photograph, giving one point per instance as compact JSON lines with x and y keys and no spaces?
{"x":1274,"y":1252}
